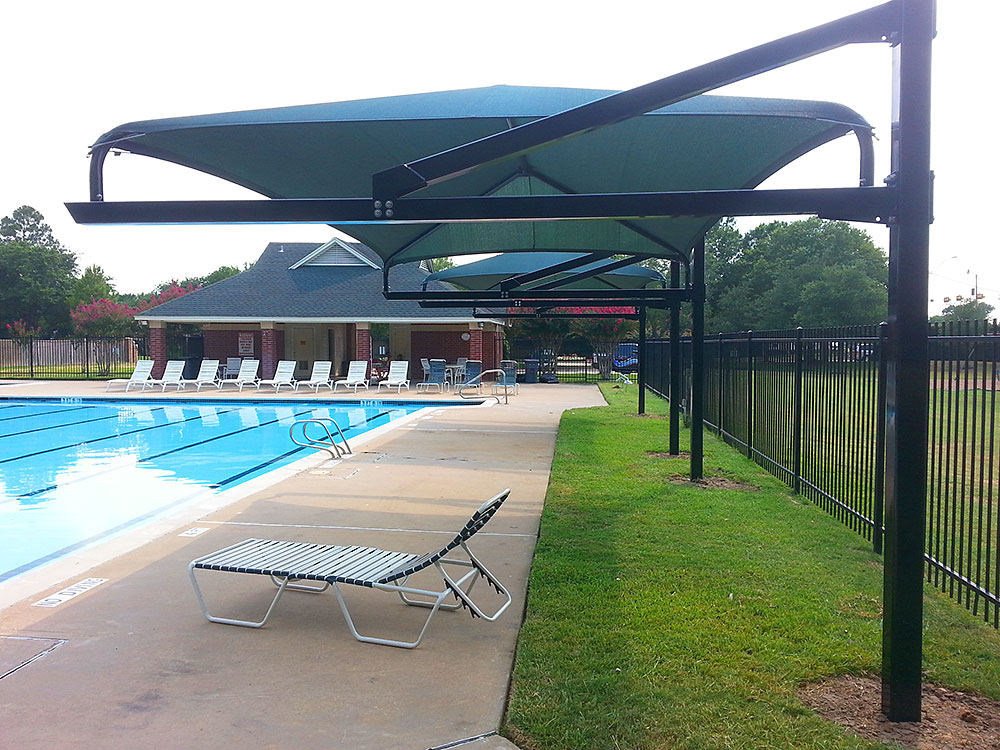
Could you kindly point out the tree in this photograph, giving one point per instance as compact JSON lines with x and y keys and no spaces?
{"x":93,"y":284}
{"x":441,"y":264}
{"x":547,"y":335}
{"x":972,"y":309}
{"x":802,"y":273}
{"x":27,"y":226}
{"x":604,"y":334}
{"x":104,"y":317}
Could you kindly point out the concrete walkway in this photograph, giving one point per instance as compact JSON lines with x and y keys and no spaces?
{"x":131,"y":663}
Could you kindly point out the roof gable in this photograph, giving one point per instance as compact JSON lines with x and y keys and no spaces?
{"x":333,"y":253}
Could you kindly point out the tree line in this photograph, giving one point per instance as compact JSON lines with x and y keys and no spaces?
{"x":44,"y":293}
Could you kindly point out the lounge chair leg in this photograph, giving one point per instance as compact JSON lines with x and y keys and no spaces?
{"x":386,"y":641}
{"x":300,"y":586}
{"x":229,"y":621}
{"x":419,"y":603}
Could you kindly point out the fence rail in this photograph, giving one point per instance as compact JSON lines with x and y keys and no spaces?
{"x":56,"y":359}
{"x":809,"y":406}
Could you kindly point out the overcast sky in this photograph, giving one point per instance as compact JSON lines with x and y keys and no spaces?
{"x":74,"y":70}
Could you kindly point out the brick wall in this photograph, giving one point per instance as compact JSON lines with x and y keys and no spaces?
{"x":158,"y":350}
{"x":446,"y":345}
{"x":362,"y":344}
{"x":221,"y":345}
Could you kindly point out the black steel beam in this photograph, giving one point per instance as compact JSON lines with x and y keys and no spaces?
{"x":863,"y":204}
{"x":518,"y":316}
{"x":908,"y":370}
{"x":525,"y":278}
{"x":675,"y":363}
{"x":525,"y":297}
{"x":698,"y":361}
{"x":641,"y":378}
{"x":584,"y":275}
{"x":872,"y":25}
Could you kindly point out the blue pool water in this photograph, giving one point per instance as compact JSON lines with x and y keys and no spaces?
{"x":74,"y":471}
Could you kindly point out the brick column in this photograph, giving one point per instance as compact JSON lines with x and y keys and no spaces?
{"x":158,"y":347}
{"x":269,"y":354}
{"x":363,"y":343}
{"x":476,"y":345}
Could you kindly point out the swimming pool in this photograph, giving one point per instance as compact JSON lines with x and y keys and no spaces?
{"x":74,"y":471}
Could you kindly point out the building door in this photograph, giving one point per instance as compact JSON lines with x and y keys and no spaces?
{"x":303,"y":350}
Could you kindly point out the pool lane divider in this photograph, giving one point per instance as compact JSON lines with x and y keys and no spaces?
{"x":45,"y":413}
{"x":57,"y":426}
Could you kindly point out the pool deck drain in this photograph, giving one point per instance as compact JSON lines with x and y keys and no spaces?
{"x":138,"y":665}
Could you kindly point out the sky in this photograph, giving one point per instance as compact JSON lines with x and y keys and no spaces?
{"x":73,"y":71}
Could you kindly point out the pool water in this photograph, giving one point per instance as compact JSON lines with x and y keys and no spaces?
{"x":74,"y":471}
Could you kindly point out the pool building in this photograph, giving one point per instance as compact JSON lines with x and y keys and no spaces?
{"x":318,"y":301}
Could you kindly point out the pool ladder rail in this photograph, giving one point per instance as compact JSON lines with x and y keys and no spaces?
{"x":477,"y":382}
{"x":325,"y":441}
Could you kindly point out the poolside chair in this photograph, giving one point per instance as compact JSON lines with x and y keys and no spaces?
{"x":437,"y":377}
{"x":143,"y":371}
{"x":368,"y":567}
{"x":283,"y":375}
{"x":320,"y":375}
{"x":171,"y":376}
{"x":426,"y":365}
{"x":398,"y":370}
{"x":246,"y":376}
{"x":508,"y":381}
{"x":208,"y":374}
{"x":471,"y":377}
{"x":232,"y":367}
{"x":357,"y":375}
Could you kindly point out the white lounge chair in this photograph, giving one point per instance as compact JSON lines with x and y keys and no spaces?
{"x":208,"y":374}
{"x":283,"y":375}
{"x":171,"y":376}
{"x":142,"y":372}
{"x":320,"y":375}
{"x":246,"y":376}
{"x":357,"y":375}
{"x":397,"y":376}
{"x":425,"y":364}
{"x":367,"y":567}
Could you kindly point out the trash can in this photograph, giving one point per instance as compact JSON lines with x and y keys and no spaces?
{"x":191,"y":367}
{"x":531,"y":371}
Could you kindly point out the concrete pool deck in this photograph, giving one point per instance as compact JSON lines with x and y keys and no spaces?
{"x":131,"y":662}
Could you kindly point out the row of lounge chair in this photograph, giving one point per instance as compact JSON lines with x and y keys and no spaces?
{"x":357,"y":376}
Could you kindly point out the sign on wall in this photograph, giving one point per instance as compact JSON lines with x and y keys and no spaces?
{"x":245,"y":344}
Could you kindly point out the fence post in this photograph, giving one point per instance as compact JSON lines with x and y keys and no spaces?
{"x":750,"y":394}
{"x":642,"y":359}
{"x":797,"y":415}
{"x":31,"y":356}
{"x":722,"y":387}
{"x":86,"y":356}
{"x":698,"y":359}
{"x":880,"y":419}
{"x":675,"y":363}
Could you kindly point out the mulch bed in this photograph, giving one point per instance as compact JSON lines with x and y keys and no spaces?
{"x":714,"y":483}
{"x":951,"y":719}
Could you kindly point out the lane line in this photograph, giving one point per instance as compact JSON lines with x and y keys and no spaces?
{"x":45,"y":413}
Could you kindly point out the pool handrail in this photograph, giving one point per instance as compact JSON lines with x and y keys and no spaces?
{"x":330,"y":445}
{"x":479,"y":378}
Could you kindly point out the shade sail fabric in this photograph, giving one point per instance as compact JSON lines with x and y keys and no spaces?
{"x":332,"y":151}
{"x":489,"y":272}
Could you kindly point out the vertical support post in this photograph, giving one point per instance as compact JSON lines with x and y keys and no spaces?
{"x":698,"y":360}
{"x":86,"y":356}
{"x":675,"y":362}
{"x":720,"y":366}
{"x":797,"y":414}
{"x":642,"y":359}
{"x":750,"y":395}
{"x":31,"y":357}
{"x":908,"y":370}
{"x":878,"y":512}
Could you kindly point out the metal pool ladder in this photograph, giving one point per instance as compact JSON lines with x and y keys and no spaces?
{"x":322,"y":442}
{"x":478,"y":381}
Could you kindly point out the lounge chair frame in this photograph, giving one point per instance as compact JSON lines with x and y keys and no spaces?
{"x":285,"y":563}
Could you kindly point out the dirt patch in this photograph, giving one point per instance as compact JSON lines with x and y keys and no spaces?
{"x":951,"y":719}
{"x":714,"y":483}
{"x":648,"y":416}
{"x":662,"y":454}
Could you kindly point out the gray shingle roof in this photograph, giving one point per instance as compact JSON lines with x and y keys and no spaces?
{"x":271,"y":290}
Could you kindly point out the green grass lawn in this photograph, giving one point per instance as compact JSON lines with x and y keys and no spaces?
{"x":670,"y":615}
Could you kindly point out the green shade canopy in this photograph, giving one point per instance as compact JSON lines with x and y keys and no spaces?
{"x":332,"y":151}
{"x":488,"y":273}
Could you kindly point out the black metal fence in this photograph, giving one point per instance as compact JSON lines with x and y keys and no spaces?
{"x":809,"y":406}
{"x":58,"y":359}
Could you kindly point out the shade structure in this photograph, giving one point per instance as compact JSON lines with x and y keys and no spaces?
{"x":333,"y":150}
{"x":489,"y":273}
